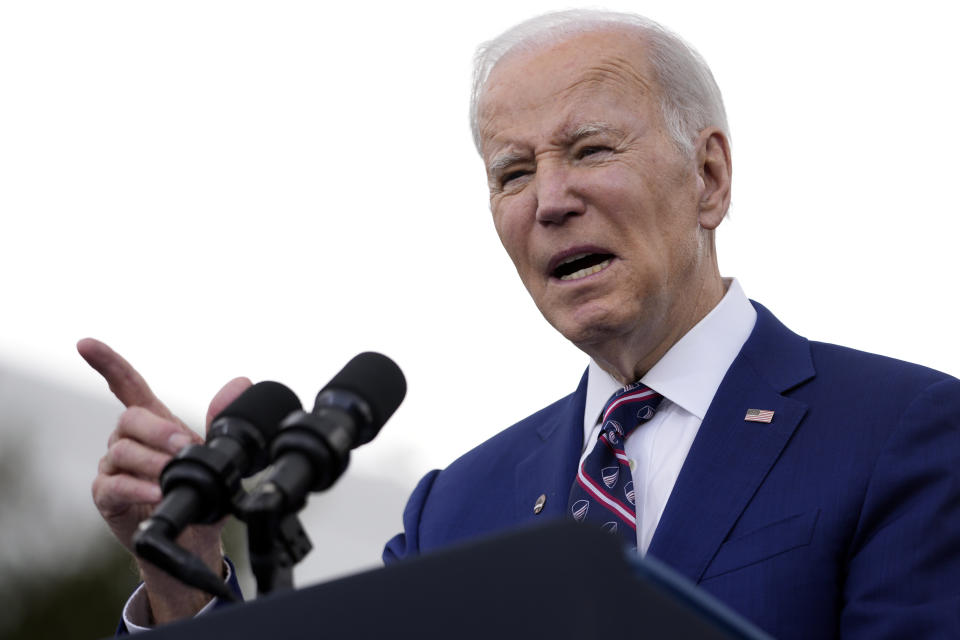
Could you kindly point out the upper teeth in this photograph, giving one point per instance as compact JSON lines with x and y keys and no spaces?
{"x":583,"y":273}
{"x":572,"y":258}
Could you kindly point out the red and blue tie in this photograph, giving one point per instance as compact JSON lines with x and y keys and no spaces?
{"x":603,"y":490}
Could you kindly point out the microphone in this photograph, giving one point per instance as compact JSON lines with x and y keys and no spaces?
{"x":312,"y":449}
{"x":201,"y":482}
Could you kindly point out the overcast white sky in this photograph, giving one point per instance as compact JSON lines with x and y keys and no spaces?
{"x":268,"y":188}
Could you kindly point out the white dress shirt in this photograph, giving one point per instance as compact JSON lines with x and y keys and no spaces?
{"x":687,"y":377}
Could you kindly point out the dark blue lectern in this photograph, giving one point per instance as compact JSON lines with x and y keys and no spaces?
{"x":564,"y":580}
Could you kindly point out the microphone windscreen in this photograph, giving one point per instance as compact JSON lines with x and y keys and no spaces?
{"x":375,"y":378}
{"x":264,"y":405}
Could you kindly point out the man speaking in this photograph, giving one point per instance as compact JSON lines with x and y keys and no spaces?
{"x":812,"y":488}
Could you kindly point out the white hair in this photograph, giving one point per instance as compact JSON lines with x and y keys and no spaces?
{"x":691,"y":99}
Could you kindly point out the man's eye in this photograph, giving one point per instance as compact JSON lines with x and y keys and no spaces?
{"x":513,"y":175}
{"x":591,"y":150}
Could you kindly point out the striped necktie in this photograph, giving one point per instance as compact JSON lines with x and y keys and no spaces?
{"x":603,"y":490}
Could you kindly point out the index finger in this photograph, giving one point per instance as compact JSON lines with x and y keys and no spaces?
{"x":125,"y":382}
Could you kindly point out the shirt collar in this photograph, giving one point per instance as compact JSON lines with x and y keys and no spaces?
{"x":690,"y":373}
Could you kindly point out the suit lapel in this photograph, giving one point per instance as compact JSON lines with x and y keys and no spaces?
{"x":730,"y":457}
{"x":551,"y":466}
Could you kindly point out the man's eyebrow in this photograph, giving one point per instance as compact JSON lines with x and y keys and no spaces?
{"x":588,"y":129}
{"x":585,"y":130}
{"x":503,"y":161}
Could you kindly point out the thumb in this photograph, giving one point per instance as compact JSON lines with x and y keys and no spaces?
{"x":227,"y":394}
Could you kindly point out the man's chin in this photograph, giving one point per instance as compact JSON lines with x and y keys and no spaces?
{"x":588,"y":332}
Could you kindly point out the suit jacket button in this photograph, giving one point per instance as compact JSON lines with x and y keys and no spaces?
{"x":538,"y":506}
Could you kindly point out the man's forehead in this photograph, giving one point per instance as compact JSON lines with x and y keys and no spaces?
{"x":569,"y":71}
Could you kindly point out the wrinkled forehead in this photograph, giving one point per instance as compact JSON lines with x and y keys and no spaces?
{"x":610,"y":63}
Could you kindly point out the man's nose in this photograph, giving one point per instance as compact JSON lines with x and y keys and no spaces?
{"x":557,"y":195}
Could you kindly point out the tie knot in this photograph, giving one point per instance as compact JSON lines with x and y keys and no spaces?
{"x":627,"y":408}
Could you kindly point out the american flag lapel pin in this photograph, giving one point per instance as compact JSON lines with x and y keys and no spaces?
{"x":759,"y":415}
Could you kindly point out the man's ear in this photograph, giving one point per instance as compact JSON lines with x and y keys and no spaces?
{"x":715,"y":168}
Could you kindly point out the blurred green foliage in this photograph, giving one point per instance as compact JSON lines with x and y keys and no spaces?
{"x":85,"y":600}
{"x":75,"y":590}
{"x":80,"y":603}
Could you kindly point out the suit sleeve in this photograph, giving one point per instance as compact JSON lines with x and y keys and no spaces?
{"x":903,"y":570}
{"x":407,"y":544}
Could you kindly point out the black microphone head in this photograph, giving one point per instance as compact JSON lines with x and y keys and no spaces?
{"x":264,"y":405}
{"x":377,"y":380}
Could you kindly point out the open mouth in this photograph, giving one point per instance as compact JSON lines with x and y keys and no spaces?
{"x":582,"y":265}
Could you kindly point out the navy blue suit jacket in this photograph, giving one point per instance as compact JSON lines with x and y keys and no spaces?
{"x":840,"y":518}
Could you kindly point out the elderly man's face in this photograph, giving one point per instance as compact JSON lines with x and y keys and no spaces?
{"x":594,"y":203}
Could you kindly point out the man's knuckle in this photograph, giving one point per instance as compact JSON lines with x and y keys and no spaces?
{"x":120,"y":451}
{"x":104,"y":491}
{"x":127,"y":419}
